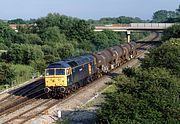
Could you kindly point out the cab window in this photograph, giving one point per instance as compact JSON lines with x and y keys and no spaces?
{"x":60,"y":72}
{"x":49,"y":72}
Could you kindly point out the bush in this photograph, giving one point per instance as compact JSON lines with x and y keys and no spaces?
{"x":23,"y":54}
{"x":7,"y":74}
{"x":23,"y":73}
{"x":3,"y":47}
{"x":171,"y":32}
{"x":166,"y":56}
{"x":150,"y":96}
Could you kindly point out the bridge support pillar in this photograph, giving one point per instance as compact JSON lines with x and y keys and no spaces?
{"x":128,"y":36}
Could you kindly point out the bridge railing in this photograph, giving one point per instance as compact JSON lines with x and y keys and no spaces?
{"x":162,"y":25}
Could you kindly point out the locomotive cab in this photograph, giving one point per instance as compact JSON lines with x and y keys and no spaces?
{"x":57,"y":76}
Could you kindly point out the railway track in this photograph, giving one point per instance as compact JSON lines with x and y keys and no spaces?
{"x":5,"y":110}
{"x":42,"y":105}
{"x":21,"y":97}
{"x":13,"y":99}
{"x":23,"y":91}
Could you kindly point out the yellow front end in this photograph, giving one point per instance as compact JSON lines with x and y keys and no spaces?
{"x":55,"y":77}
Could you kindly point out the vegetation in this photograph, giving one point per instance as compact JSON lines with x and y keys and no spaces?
{"x":23,"y":73}
{"x":167,"y":16}
{"x":166,"y":56}
{"x":121,"y":20}
{"x":148,"y":96}
{"x":150,"y":93}
{"x":48,"y":39}
{"x":171,"y":32}
{"x":7,"y":74}
{"x":54,"y":37}
{"x":164,"y":16}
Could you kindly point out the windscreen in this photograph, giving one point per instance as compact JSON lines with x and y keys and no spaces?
{"x":49,"y":72}
{"x":60,"y":71}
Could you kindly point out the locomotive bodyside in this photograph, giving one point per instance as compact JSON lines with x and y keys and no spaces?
{"x":64,"y":76}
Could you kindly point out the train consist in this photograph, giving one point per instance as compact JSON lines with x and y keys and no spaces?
{"x":64,"y":77}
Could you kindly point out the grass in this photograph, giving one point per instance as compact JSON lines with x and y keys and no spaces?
{"x":23,"y":73}
{"x":111,"y":88}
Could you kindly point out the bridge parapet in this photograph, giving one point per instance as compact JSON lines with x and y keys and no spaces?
{"x":161,"y":25}
{"x":135,"y":27}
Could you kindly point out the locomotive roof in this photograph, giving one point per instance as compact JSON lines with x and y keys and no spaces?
{"x":59,"y":64}
{"x":72,"y":62}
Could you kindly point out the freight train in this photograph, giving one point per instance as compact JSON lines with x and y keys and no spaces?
{"x":66,"y":76}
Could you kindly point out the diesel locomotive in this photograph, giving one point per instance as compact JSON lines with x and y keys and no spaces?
{"x":66,"y":76}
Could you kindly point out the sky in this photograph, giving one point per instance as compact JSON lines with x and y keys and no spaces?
{"x":84,"y":9}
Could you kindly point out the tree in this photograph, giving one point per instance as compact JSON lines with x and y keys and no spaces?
{"x":39,"y":65}
{"x":3,"y":47}
{"x":171,"y":32}
{"x":17,"y":21}
{"x":34,"y":39}
{"x":113,"y":38}
{"x":80,"y":31}
{"x":178,"y":11}
{"x":100,"y":41}
{"x":23,"y":54}
{"x":163,"y":15}
{"x":65,"y":50}
{"x":7,"y":74}
{"x":146,"y":96}
{"x":6,"y":33}
{"x":127,"y":20}
{"x":166,"y":56}
{"x":53,"y":35}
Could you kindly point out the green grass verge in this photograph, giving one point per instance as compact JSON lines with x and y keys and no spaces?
{"x":23,"y":73}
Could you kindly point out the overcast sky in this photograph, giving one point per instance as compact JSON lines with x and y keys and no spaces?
{"x":85,"y":9}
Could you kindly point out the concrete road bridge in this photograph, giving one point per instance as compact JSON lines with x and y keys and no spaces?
{"x":134,"y":27}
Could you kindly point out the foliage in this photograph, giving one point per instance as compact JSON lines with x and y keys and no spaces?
{"x":121,"y":20}
{"x":105,"y":39}
{"x":167,"y":16}
{"x":38,"y":64}
{"x":23,"y":54}
{"x":146,"y":96}
{"x":6,"y":33}
{"x":3,"y":46}
{"x":178,"y":11}
{"x":17,"y":21}
{"x":23,"y":73}
{"x":65,"y":50}
{"x":39,"y":42}
{"x":166,"y":56}
{"x":53,"y":35}
{"x":163,"y":15}
{"x":7,"y":74}
{"x":171,"y":32}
